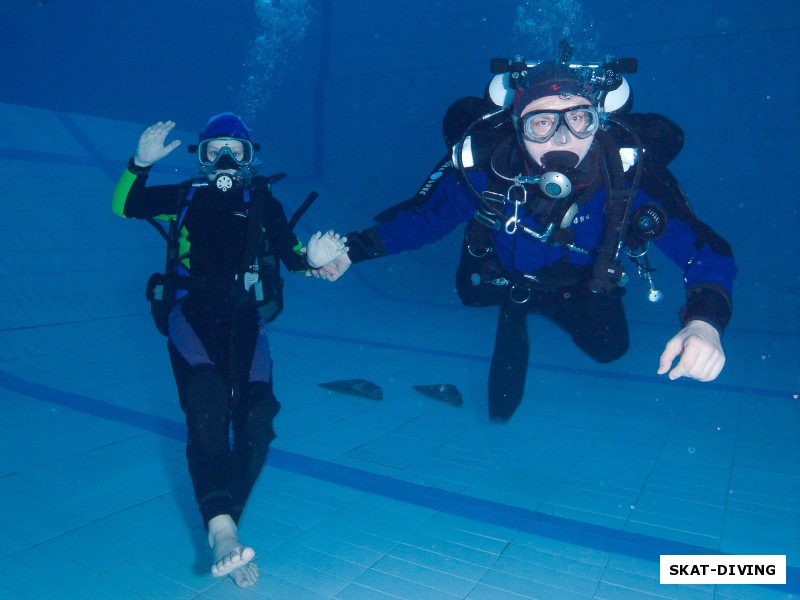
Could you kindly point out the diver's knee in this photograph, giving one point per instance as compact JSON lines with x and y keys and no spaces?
{"x":610,"y":353}
{"x":260,"y":399}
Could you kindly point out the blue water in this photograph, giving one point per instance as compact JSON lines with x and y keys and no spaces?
{"x":603,"y":468}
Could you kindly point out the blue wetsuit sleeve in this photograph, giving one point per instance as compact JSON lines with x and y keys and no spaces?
{"x":708,"y":272}
{"x":452,"y":203}
{"x":700,"y":263}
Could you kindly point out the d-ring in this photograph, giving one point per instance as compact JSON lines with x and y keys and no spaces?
{"x":519,"y":300}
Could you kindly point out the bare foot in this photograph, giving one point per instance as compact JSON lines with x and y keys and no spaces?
{"x":246,"y":576}
{"x":229,"y":554}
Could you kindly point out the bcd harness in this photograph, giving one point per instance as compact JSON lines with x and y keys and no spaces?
{"x":481,"y":279}
{"x":258,"y":279}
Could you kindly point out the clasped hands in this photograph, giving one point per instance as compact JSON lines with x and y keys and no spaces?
{"x":327,"y":256}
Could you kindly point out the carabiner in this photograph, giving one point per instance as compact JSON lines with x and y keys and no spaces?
{"x":511,"y":224}
{"x":509,"y":191}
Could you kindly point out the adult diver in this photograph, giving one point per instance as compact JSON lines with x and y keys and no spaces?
{"x":553,"y":209}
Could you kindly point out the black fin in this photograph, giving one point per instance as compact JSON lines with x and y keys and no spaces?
{"x":355,"y":387}
{"x":446,"y":392}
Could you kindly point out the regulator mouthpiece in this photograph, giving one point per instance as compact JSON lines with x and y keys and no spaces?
{"x":555,"y":182}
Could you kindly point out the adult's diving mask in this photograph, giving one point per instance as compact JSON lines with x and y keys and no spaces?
{"x":541,"y":125}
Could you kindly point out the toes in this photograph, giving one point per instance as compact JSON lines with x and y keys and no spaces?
{"x":233,"y":561}
{"x":246,"y":576}
{"x":247,"y":554}
{"x":226,"y":564}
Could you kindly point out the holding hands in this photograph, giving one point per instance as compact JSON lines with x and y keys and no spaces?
{"x":327,"y":255}
{"x":151,"y":146}
{"x":333,"y":270}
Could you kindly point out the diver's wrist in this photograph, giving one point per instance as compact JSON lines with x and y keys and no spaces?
{"x":138,"y":166}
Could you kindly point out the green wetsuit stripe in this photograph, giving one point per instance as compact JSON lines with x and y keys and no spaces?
{"x":121,"y":192}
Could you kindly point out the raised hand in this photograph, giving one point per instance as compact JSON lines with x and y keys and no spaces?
{"x":151,"y":143}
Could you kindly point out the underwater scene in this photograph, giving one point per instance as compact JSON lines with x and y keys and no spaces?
{"x":338,"y":299}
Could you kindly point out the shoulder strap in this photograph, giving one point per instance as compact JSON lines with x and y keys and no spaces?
{"x":607,"y":273}
{"x":254,"y":205}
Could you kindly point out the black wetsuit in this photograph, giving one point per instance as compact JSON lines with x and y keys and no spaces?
{"x":218,"y":342}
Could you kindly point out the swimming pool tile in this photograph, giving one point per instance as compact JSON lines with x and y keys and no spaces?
{"x":431,"y":570}
{"x":636,"y":590}
{"x":383,"y":526}
{"x":23,"y":582}
{"x":358,"y":551}
{"x":142,"y":582}
{"x":384,"y":455}
{"x":185,"y":573}
{"x":496,"y":536}
{"x":263,"y":526}
{"x":751,"y":592}
{"x":190,"y":547}
{"x":629,"y":578}
{"x":313,"y":559}
{"x":465,"y":545}
{"x":450,"y":559}
{"x":37,"y":562}
{"x":400,"y":586}
{"x":601,"y":508}
{"x":761,"y":534}
{"x":149,"y":522}
{"x":62,"y":595}
{"x":771,"y":457}
{"x":505,"y":582}
{"x":570,"y":576}
{"x":355,"y":591}
{"x":486,"y":592}
{"x":658,"y":509}
{"x":673,"y":529}
{"x":441,"y":474}
{"x":324,"y":582}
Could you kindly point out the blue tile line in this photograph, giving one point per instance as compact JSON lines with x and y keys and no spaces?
{"x":110,"y":168}
{"x":597,"y":537}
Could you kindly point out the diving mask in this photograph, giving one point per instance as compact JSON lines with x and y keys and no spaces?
{"x":225,"y":152}
{"x":541,"y":125}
